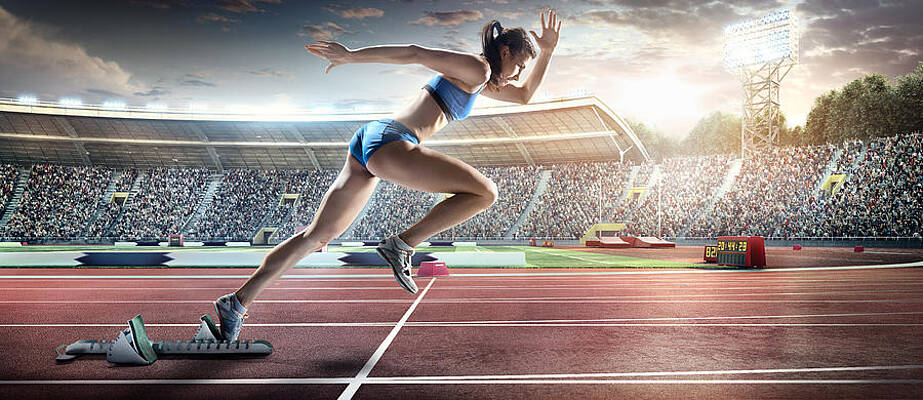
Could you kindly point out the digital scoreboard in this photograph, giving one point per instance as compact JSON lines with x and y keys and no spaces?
{"x":741,"y":251}
{"x":711,"y":254}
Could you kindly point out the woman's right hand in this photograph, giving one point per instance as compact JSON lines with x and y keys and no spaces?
{"x":333,"y":52}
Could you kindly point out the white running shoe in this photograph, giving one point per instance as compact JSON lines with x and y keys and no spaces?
{"x":399,"y":259}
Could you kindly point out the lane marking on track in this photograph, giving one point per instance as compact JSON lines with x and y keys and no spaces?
{"x":385,"y":381}
{"x":491,"y":324}
{"x":614,"y":297}
{"x":666,"y":382}
{"x":552,"y":379}
{"x":612,"y":286}
{"x":357,"y":381}
{"x":660,"y":373}
{"x":498,"y":274}
{"x":197,"y":301}
{"x":282,"y":325}
{"x":472,"y":301}
{"x":423,"y":324}
{"x":673,"y":318}
{"x":675,"y":295}
{"x":322,"y":324}
{"x":708,"y":284}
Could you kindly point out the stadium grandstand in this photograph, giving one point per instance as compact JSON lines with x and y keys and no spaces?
{"x":86,"y":174}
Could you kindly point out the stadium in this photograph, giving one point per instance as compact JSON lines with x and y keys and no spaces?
{"x":607,"y":267}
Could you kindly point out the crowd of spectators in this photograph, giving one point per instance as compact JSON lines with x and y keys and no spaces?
{"x":243,"y":199}
{"x":163,"y":202}
{"x":623,"y":205}
{"x":108,"y":210}
{"x":776,"y":194}
{"x":515,"y":185}
{"x":8,"y":175}
{"x":769,"y":194}
{"x":575,"y":199}
{"x":391,"y":210}
{"x":684,"y":187}
{"x":310,"y":187}
{"x":882,"y":197}
{"x":58,"y":202}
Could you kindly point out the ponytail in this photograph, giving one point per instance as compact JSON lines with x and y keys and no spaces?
{"x":515,"y":39}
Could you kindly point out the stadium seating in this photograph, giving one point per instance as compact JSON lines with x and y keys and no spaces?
{"x":576,"y":198}
{"x":58,"y":202}
{"x":163,"y":202}
{"x":516,"y":186}
{"x":776,"y":194}
{"x":8,"y":175}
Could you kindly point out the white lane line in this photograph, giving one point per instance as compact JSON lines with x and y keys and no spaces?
{"x":357,"y":381}
{"x":715,"y":285}
{"x":679,"y":295}
{"x":468,"y":324}
{"x":251,"y":381}
{"x":196,"y":301}
{"x":435,"y":325}
{"x":489,"y":322}
{"x":391,"y":381}
{"x":617,"y":297}
{"x":660,"y":373}
{"x":474,"y":301}
{"x":737,"y":301}
{"x":494,"y":274}
{"x":284,"y":325}
{"x":547,"y":321}
{"x":57,"y":289}
{"x":665,"y":382}
{"x":533,"y":378}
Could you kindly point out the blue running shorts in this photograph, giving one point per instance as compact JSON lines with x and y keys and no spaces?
{"x":371,"y":136}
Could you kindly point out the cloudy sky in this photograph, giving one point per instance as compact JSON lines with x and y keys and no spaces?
{"x":657,"y":61}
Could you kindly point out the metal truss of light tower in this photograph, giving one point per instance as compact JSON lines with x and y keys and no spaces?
{"x":761,"y":52}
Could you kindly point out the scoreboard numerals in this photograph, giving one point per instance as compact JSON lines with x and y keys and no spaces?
{"x":741,"y":251}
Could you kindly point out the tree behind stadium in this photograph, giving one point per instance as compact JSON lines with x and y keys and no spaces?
{"x":867,"y":108}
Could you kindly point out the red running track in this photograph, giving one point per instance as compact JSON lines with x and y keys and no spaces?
{"x":637,"y":334}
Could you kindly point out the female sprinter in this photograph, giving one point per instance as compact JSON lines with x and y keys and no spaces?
{"x":390,"y":149}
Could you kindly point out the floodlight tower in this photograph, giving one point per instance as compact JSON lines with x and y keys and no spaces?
{"x":761,"y":52}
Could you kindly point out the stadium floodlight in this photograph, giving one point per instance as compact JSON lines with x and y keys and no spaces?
{"x":113,"y":105}
{"x":771,"y":38}
{"x":761,"y":52}
{"x":27,"y":99}
{"x":70,"y":102}
{"x":156,"y":106}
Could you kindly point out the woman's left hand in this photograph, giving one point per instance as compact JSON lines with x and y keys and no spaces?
{"x":333,"y":52}
{"x":549,"y":38}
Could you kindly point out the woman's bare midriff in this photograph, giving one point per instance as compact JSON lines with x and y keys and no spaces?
{"x":422,"y":115}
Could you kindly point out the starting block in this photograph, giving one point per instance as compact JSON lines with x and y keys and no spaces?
{"x":133,"y":346}
{"x":433,"y":268}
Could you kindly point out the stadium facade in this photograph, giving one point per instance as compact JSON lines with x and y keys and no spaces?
{"x":566,"y":130}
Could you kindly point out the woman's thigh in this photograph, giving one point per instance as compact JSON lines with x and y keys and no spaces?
{"x":420,"y":168}
{"x":343,"y":201}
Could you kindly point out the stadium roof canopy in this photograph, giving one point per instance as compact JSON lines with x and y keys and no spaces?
{"x":557,"y":131}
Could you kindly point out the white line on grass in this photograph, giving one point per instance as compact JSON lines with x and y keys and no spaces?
{"x":367,"y":368}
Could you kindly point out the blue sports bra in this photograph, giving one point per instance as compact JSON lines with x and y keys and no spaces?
{"x":454,"y":102}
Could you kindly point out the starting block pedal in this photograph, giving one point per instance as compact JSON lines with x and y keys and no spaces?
{"x":133,"y":346}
